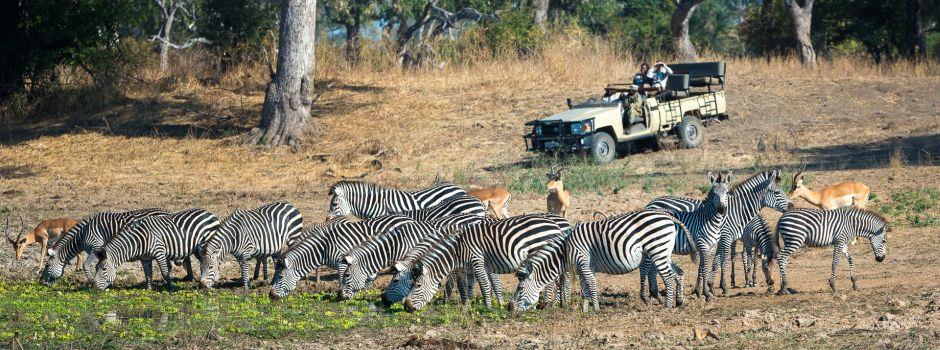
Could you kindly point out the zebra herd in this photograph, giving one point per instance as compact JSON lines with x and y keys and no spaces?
{"x":440,"y":237}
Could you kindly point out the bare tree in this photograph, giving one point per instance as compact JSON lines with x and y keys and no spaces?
{"x":802,"y":19}
{"x":540,"y":12}
{"x":916,"y":45}
{"x":681,"y":42}
{"x":168,"y":11}
{"x":287,"y":102}
{"x":414,"y":46}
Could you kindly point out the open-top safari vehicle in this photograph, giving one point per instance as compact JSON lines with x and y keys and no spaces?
{"x":694,"y":94}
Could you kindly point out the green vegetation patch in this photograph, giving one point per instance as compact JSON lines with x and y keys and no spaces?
{"x":913,"y":207}
{"x":69,"y":316}
{"x":581,"y":175}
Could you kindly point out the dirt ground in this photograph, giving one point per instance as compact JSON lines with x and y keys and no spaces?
{"x":178,"y":149}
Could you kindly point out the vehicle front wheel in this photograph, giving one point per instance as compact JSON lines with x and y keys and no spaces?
{"x":691,"y":132}
{"x":604,"y":148}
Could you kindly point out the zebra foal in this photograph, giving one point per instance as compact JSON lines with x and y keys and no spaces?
{"x":836,"y":228}
{"x":163,"y":239}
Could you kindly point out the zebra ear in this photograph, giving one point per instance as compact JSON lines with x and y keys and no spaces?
{"x":101,"y":254}
{"x":51,"y":252}
{"x":400,"y":266}
{"x":775,"y":174}
{"x":350,"y":259}
{"x":711,"y":177}
{"x":729,"y":177}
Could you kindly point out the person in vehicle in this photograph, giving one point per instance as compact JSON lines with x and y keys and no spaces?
{"x":658,"y":75}
{"x":633,"y":105}
{"x":643,"y":78}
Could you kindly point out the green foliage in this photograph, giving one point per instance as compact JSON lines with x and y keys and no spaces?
{"x":240,"y":28}
{"x":75,"y":317}
{"x":40,"y":35}
{"x":581,"y":175}
{"x":515,"y":33}
{"x":914,"y":207}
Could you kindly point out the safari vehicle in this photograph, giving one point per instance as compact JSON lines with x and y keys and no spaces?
{"x":694,"y":95}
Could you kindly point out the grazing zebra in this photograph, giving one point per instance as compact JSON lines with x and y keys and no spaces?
{"x":163,"y":239}
{"x":452,"y":206}
{"x":366,"y":200}
{"x":251,"y":235}
{"x":402,"y":280}
{"x":87,"y":235}
{"x":378,"y":254}
{"x":757,"y":239}
{"x":542,"y":272}
{"x":327,"y":246}
{"x":492,"y":246}
{"x":703,"y":223}
{"x":745,"y":200}
{"x":820,"y":228}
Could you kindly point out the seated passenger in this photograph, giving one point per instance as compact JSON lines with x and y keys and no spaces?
{"x":659,"y":75}
{"x":642,"y":79}
{"x":633,"y":105}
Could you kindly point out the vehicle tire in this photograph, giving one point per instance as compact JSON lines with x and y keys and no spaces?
{"x":604,"y":149}
{"x":691,"y":132}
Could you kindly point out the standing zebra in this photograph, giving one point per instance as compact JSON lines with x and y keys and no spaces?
{"x":327,"y":246}
{"x":163,"y":239}
{"x":87,"y":235}
{"x":703,"y":223}
{"x":757,"y":240}
{"x":251,"y":235}
{"x":745,"y":200}
{"x":366,"y":200}
{"x":364,"y":263}
{"x":492,"y":246}
{"x":820,"y":228}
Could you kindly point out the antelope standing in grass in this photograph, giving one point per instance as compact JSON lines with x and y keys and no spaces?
{"x":495,"y":198}
{"x":47,"y":231}
{"x":843,"y":194}
{"x":558,"y":200}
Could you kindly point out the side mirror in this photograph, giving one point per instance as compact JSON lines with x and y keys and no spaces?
{"x":568,"y":101}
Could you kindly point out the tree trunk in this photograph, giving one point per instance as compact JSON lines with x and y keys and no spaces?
{"x":168,"y":18}
{"x":916,"y":46}
{"x":802,"y":18}
{"x":681,"y":42}
{"x":352,"y":36}
{"x":770,"y":25}
{"x":287,"y":101}
{"x":540,"y":12}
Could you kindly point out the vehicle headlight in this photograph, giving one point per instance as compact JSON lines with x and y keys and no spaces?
{"x":538,"y":130}
{"x":581,"y":128}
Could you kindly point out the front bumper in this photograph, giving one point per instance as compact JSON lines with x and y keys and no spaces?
{"x":559,"y":143}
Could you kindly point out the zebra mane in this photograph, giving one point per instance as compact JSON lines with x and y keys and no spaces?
{"x":752,"y":180}
{"x":70,"y":236}
{"x":344,"y":183}
{"x":865,"y":212}
{"x":554,"y":244}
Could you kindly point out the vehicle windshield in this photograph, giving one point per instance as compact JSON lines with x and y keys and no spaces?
{"x":596,"y":103}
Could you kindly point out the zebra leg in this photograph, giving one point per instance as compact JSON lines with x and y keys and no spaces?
{"x":848,"y":257}
{"x":835,"y":263}
{"x":588,"y":283}
{"x":723,"y":263}
{"x":449,"y":288}
{"x":733,"y":255}
{"x":483,"y":278}
{"x":147,"y":266}
{"x":782,"y":266}
{"x":705,"y":259}
{"x":768,"y":276}
{"x":746,"y":266}
{"x":264,"y":267}
{"x":680,"y":280}
{"x":164,"y":266}
{"x":497,"y":288}
{"x":647,"y":283}
{"x":188,"y":264}
{"x":91,"y":261}
{"x":245,"y":264}
{"x":258,"y":269}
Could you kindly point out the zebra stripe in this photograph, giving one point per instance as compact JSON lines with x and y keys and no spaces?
{"x":489,"y":247}
{"x":704,"y":224}
{"x":327,"y":246}
{"x":87,"y":235}
{"x":366,"y":200}
{"x":163,"y":239}
{"x":836,"y":228}
{"x":452,"y":206}
{"x":364,"y":263}
{"x":251,"y":235}
{"x":403,"y":280}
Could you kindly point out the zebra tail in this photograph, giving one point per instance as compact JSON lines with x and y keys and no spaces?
{"x":693,"y":253}
{"x":775,"y":245}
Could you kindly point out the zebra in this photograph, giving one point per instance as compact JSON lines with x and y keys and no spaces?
{"x":757,"y":240}
{"x":542,"y":272}
{"x":163,"y":239}
{"x":703,"y":223}
{"x":820,"y":228}
{"x":326,"y":246}
{"x":486,"y":248}
{"x":366,"y":200}
{"x":87,"y":235}
{"x":380,"y":253}
{"x":451,"y":206}
{"x":618,"y":245}
{"x":745,"y":200}
{"x":251,"y":235}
